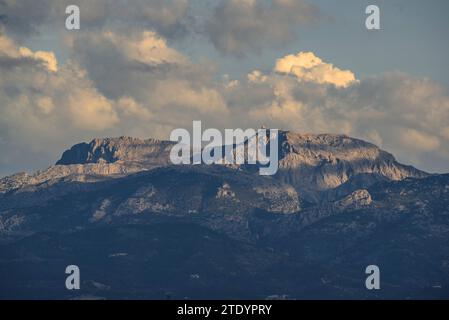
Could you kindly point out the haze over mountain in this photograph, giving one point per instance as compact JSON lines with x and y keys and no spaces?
{"x":141,"y":227}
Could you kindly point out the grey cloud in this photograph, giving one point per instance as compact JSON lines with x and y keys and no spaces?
{"x":41,"y":109}
{"x":244,"y":26}
{"x":113,"y":85}
{"x":133,"y":64}
{"x":8,"y":63}
{"x":406,"y":115}
{"x":169,"y":18}
{"x":24,"y":17}
{"x":233,"y":26}
{"x":28,"y":17}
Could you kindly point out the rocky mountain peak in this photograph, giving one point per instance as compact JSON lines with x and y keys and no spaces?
{"x":331,"y":147}
{"x":123,"y":149}
{"x":316,"y":164}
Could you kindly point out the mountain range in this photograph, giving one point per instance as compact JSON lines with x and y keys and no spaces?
{"x":139,"y":227}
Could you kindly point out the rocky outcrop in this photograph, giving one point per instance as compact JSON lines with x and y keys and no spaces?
{"x":357,"y":199}
{"x":316,"y":164}
{"x":99,"y":159}
{"x":148,"y":153}
{"x":323,"y":167}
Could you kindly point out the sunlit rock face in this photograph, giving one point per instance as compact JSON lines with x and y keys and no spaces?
{"x":99,"y":159}
{"x":316,"y":164}
{"x":319,"y":167}
{"x":123,"y":150}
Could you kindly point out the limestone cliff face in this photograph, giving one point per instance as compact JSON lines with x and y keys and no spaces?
{"x":150,"y":152}
{"x":317,"y":164}
{"x":97,"y":160}
{"x":322,"y":167}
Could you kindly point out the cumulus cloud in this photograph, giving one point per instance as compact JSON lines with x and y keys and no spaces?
{"x":111,"y":85}
{"x":145,"y":47}
{"x":90,"y":110}
{"x":243,"y":26}
{"x":43,"y":107}
{"x":34,"y":88}
{"x":129,"y":107}
{"x":150,"y":72}
{"x":406,"y":115}
{"x":48,"y":58}
{"x":25,"y":17}
{"x":29,"y":17}
{"x":8,"y":50}
{"x":235,"y":27}
{"x":418,"y":141}
{"x":308,"y":67}
{"x":403,"y":114}
{"x":256,"y":76}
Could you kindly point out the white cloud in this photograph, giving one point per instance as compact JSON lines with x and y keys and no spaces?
{"x":406,"y":115}
{"x":8,"y":49}
{"x":48,"y":58}
{"x":45,"y":107}
{"x":257,"y":76}
{"x":308,"y":67}
{"x":155,"y":76}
